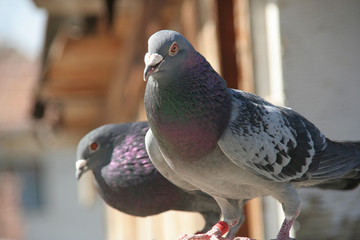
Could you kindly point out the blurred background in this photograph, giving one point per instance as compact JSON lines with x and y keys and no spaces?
{"x":69,"y":66}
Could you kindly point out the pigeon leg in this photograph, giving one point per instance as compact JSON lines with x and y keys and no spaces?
{"x":233,"y":230}
{"x":291,"y":206}
{"x":210,"y":219}
{"x":285,"y":228}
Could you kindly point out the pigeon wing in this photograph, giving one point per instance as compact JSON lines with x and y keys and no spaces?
{"x":273,"y":142}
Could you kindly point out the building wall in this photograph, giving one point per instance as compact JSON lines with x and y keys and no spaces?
{"x":321,"y":71}
{"x":60,"y":216}
{"x":321,"y":62}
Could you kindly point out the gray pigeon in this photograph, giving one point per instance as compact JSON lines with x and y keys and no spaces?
{"x":231,"y":144}
{"x":128,"y":181}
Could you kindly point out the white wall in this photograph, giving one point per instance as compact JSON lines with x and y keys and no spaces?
{"x":321,"y":72}
{"x":61,"y":217}
{"x":321,"y":63}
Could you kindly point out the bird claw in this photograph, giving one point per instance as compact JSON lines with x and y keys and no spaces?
{"x":216,"y":233}
{"x":201,"y":236}
{"x":283,"y":239}
{"x":188,"y":237}
{"x":206,"y":236}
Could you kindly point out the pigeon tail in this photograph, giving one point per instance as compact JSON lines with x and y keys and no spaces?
{"x":339,"y":163}
{"x":341,"y":183}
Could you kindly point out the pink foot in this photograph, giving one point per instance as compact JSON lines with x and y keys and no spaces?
{"x":289,"y":238}
{"x":206,"y":236}
{"x":215,"y":233}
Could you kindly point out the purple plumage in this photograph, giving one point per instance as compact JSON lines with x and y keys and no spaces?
{"x":128,"y":181}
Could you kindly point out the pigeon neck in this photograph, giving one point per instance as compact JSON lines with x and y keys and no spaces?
{"x":188,"y":114}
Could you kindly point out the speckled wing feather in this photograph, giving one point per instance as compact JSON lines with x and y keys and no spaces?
{"x":274,"y":142}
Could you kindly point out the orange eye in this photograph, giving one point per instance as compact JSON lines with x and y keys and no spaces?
{"x":173,"y":49}
{"x":93,"y":146}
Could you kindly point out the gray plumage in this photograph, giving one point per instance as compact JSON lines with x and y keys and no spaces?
{"x":232,"y":144}
{"x":128,"y":181}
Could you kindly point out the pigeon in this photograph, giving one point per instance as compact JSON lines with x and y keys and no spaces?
{"x":128,"y":181}
{"x":232,"y":144}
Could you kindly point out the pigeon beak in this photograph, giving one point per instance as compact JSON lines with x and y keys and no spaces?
{"x":81,"y":167}
{"x":152,"y":64}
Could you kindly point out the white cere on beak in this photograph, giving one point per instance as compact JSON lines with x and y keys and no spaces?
{"x":152,"y":62}
{"x":79,"y":164}
{"x":152,"y":59}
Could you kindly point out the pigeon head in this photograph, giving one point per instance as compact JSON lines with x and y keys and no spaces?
{"x":167,"y":52}
{"x":186,"y":100}
{"x":95,"y":149}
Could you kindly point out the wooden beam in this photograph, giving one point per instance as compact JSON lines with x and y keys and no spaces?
{"x":243,"y":45}
{"x":229,"y":71}
{"x":72,"y":7}
{"x":236,"y":69}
